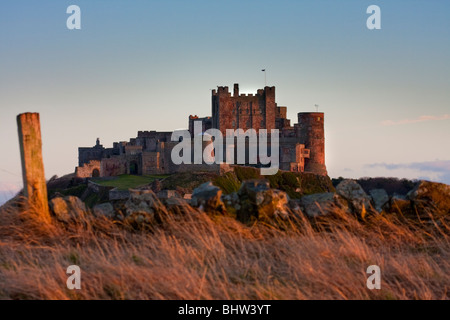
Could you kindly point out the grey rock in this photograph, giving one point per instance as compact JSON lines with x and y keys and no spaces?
{"x":358,"y":200}
{"x":323,"y":203}
{"x":207,"y":197}
{"x":167,"y":194}
{"x":146,"y":203}
{"x":431,"y":194}
{"x":232,"y":200}
{"x":68,"y":208}
{"x":104,"y":209}
{"x":258,"y":201}
{"x":379,"y":198}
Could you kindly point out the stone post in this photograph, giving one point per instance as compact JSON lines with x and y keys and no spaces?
{"x":34,"y":184}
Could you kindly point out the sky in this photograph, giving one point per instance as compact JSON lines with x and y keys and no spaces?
{"x":148,"y":65}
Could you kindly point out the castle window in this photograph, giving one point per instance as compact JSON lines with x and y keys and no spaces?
{"x":247,"y":110}
{"x":262,"y":123}
{"x":233,"y":124}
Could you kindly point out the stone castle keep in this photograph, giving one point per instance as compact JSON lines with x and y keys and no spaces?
{"x":302,"y":146}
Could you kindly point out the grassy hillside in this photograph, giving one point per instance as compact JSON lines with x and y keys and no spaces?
{"x":198,"y":256}
{"x":125,"y":182}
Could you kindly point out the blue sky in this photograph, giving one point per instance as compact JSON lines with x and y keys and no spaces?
{"x":148,"y":65}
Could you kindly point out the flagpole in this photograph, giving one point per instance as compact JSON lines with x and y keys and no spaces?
{"x":265,"y":77}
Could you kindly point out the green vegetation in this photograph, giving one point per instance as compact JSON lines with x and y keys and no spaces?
{"x":186,"y":182}
{"x":294,"y":184}
{"x":228,"y":182}
{"x":125,"y":182}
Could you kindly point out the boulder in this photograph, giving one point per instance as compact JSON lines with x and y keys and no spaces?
{"x":140,"y":220}
{"x":144,"y":205}
{"x":178,"y":206}
{"x":323,"y":203}
{"x":156,"y":186}
{"x":379,"y":198}
{"x":358,"y":200}
{"x":431,"y":194}
{"x":104,"y":209}
{"x":231,"y":201}
{"x":207,"y":197}
{"x":258,"y":201}
{"x":167,"y":194}
{"x":398,"y":204}
{"x":68,"y":209}
{"x":295,"y":206}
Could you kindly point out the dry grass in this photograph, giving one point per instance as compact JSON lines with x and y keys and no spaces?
{"x":197,"y":256}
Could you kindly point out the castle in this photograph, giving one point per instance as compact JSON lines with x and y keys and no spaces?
{"x":301,"y":146}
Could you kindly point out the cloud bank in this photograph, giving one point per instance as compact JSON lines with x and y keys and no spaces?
{"x":438,"y":170}
{"x":419,"y":119}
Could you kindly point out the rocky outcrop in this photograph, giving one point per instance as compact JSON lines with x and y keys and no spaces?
{"x":232,"y":201}
{"x":207,"y":197}
{"x":358,"y":200}
{"x":431,"y":194}
{"x":156,"y":186}
{"x":260,"y":202}
{"x":399,"y":204}
{"x":178,"y":206}
{"x":168,"y":194}
{"x":68,"y":209}
{"x":104,"y":209}
{"x":294,"y":205}
{"x":322,"y":204}
{"x":144,"y":207}
{"x":380,"y":198}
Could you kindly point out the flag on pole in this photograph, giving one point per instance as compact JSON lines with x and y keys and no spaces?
{"x":263,"y":70}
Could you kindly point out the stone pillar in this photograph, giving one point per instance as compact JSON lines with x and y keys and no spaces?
{"x":34,"y":184}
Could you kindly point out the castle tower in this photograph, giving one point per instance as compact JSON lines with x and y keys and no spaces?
{"x":311,"y":134}
{"x":252,"y":111}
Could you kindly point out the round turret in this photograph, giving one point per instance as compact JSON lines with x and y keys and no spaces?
{"x":312,"y":135}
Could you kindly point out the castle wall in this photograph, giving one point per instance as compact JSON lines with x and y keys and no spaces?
{"x":87,"y":154}
{"x":206,"y":123}
{"x":114,"y":166}
{"x":88,"y":170}
{"x":152,"y":163}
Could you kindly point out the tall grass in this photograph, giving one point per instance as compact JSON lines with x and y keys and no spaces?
{"x":200,"y":256}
